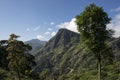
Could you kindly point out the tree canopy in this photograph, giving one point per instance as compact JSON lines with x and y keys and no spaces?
{"x":91,"y":24}
{"x":17,"y":57}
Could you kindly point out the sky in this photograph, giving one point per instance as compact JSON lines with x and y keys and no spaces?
{"x":41,"y":19}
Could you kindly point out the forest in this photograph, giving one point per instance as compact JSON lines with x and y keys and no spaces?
{"x":91,"y":54}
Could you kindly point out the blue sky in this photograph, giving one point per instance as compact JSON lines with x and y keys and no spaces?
{"x":42,"y":19}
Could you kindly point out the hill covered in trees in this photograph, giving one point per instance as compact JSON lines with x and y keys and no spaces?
{"x":66,"y":58}
{"x":92,"y":54}
{"x":35,"y":44}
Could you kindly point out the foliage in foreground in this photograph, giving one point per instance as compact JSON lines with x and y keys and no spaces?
{"x":92,"y":24}
{"x":16,"y":62}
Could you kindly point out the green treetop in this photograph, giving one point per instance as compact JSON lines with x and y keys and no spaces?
{"x":91,"y":24}
{"x":19,"y":59}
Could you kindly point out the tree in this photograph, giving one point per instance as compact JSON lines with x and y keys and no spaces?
{"x":91,"y":24}
{"x":3,"y":54}
{"x":19,"y":59}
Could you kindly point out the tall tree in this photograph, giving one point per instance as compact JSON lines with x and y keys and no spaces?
{"x":91,"y":24}
{"x":19,"y":59}
{"x":3,"y":54}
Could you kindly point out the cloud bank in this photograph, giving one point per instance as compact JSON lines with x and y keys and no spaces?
{"x":53,"y":33}
{"x":115,"y":25}
{"x":40,"y":37}
{"x":69,"y":25}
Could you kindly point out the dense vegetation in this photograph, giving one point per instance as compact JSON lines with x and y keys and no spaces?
{"x":15,"y":60}
{"x":71,"y":60}
{"x":65,"y":57}
{"x":35,"y":44}
{"x":93,"y":31}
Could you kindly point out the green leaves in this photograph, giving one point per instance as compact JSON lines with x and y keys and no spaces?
{"x":92,"y":27}
{"x":18,"y":55}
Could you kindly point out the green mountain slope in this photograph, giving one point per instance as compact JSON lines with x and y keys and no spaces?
{"x":36,"y":44}
{"x":65,"y":58}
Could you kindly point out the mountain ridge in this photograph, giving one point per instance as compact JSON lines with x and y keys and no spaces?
{"x":35,"y":44}
{"x":63,"y":37}
{"x":64,"y":55}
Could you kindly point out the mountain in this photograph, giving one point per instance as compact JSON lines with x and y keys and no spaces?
{"x":65,"y":58}
{"x":36,"y":44}
{"x":63,"y":38}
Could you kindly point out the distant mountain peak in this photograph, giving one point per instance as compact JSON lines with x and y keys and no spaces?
{"x":36,"y":44}
{"x":35,"y":41}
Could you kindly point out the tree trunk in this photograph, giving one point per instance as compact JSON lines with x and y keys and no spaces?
{"x":18,"y":74}
{"x":99,"y":68}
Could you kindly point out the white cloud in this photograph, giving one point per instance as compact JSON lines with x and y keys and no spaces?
{"x":47,"y":33}
{"x":28,"y":29}
{"x":115,"y":25}
{"x":40,"y":37}
{"x":116,"y":9}
{"x":117,"y":17}
{"x":36,"y":28}
{"x":52,"y":23}
{"x":53,"y":33}
{"x":50,"y":29}
{"x":69,"y":25}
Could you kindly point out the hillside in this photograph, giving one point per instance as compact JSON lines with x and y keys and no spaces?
{"x":36,"y":44}
{"x":62,"y":39}
{"x":64,"y":55}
